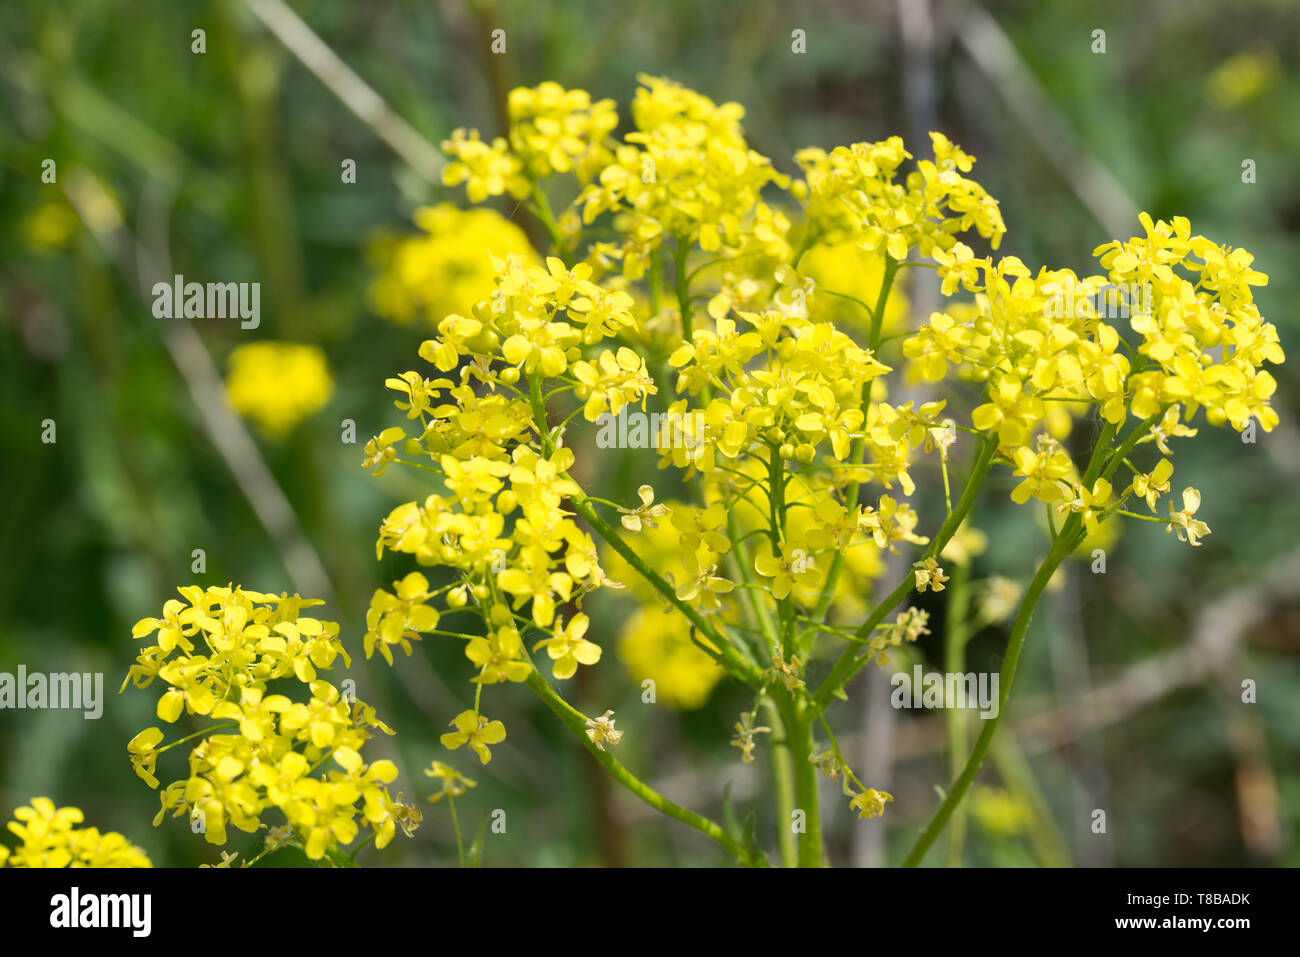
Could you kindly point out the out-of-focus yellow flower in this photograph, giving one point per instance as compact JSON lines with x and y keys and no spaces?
{"x":51,"y":226}
{"x":447,"y":267}
{"x":1241,"y":78}
{"x":278,"y":384}
{"x":657,"y":647}
{"x":51,"y":838}
{"x":454,"y":784}
{"x":999,"y":812}
{"x":554,"y":130}
{"x":486,"y":169}
{"x":929,"y":575}
{"x":851,"y":270}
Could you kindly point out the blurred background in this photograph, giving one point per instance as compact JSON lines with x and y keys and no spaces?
{"x":229,"y":165}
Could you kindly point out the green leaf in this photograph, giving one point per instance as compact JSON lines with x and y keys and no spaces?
{"x":475,"y":856}
{"x":749,"y":841}
{"x":729,"y":819}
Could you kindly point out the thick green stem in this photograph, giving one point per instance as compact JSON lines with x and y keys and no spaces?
{"x":782,"y":782}
{"x":757,"y":611}
{"x":682,"y":285}
{"x":576,"y":722}
{"x":799,"y":721}
{"x":878,"y":314}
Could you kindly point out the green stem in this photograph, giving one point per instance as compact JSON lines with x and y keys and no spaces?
{"x":576,"y":722}
{"x":727,"y":655}
{"x":782,"y":782}
{"x":682,"y":284}
{"x":850,"y":661}
{"x":878,"y":314}
{"x":541,"y":208}
{"x":1063,"y":546}
{"x":799,"y":725}
{"x":762,"y":618}
{"x":455,"y":823}
{"x":955,"y":663}
{"x":1014,"y":645}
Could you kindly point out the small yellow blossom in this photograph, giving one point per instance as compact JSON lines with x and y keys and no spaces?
{"x":870,"y":803}
{"x":454,"y":784}
{"x":476,"y":731}
{"x":1189,"y":529}
{"x":601,"y":731}
{"x":929,"y":575}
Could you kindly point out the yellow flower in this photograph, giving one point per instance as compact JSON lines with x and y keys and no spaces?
{"x":50,"y":837}
{"x":1087,"y":502}
{"x":792,"y":566}
{"x":644,"y":515}
{"x":1153,"y":485}
{"x":278,"y":384}
{"x":144,"y":754}
{"x":870,"y":803}
{"x":476,"y":731}
{"x":657,"y":647}
{"x":929,"y":575}
{"x":601,"y":731}
{"x":568,"y":648}
{"x":454,"y":784}
{"x":554,"y":130}
{"x":218,"y":653}
{"x":446,"y":267}
{"x":487,"y":169}
{"x":1189,"y":529}
{"x":499,"y":656}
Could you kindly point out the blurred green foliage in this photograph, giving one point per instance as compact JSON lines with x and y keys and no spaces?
{"x":230,"y":161}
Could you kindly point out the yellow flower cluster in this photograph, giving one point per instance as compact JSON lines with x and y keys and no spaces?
{"x":51,"y":837}
{"x":772,"y":405}
{"x":858,"y":189}
{"x":278,"y":384}
{"x":552,"y":130}
{"x":1039,"y":339}
{"x":218,"y":651}
{"x":686,"y":172}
